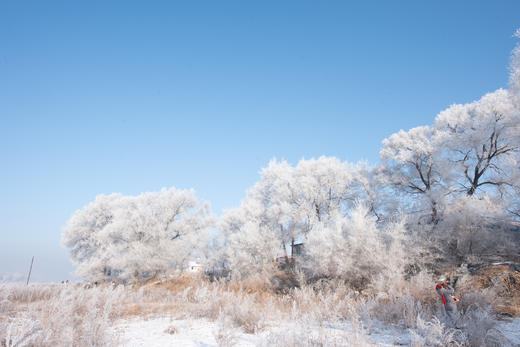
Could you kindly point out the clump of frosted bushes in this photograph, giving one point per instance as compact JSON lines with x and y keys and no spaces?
{"x":55,"y":315}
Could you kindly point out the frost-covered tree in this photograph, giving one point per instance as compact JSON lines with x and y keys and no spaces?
{"x":325,"y":188}
{"x":250,"y":246}
{"x":481,"y":139}
{"x":376,"y":193}
{"x":473,"y":228}
{"x":465,"y":169}
{"x":287,"y":204}
{"x":82,"y":235}
{"x":358,"y":249}
{"x":128,"y":235}
{"x":412,"y":165}
{"x":513,"y":205}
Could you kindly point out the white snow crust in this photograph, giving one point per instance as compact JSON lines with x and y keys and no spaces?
{"x":167,"y":331}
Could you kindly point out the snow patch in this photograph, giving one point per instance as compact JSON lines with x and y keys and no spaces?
{"x":167,"y":331}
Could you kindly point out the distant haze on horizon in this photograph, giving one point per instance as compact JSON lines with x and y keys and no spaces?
{"x":104,"y":97}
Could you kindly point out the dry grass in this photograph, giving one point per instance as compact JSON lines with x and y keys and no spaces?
{"x":496,"y":286}
{"x":57,"y":315}
{"x":47,"y":315}
{"x":226,"y":333}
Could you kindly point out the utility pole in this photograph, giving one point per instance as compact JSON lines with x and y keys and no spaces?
{"x":30,"y":269}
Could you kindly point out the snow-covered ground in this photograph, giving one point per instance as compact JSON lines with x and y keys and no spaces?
{"x":203,"y":333}
{"x":166,"y":331}
{"x":511,"y":330}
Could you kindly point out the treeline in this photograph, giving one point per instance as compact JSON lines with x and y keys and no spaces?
{"x":443,"y":194}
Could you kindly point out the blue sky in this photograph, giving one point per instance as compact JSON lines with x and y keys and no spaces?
{"x":127,"y":96}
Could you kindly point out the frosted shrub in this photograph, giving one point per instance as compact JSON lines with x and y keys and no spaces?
{"x":435,"y":334}
{"x":401,"y":310}
{"x":421,"y":288}
{"x":57,"y":315}
{"x":403,"y":302}
{"x":225,"y":334}
{"x":357,"y":336}
{"x":20,"y":332}
{"x":474,"y":327}
{"x":358,"y":250}
{"x":28,"y":294}
{"x":329,"y":302}
{"x":477,"y":324}
{"x":245,"y":315}
{"x":477,"y":299}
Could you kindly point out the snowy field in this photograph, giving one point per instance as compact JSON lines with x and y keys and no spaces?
{"x":200,"y":313}
{"x":204,"y":333}
{"x":198,"y":333}
{"x":511,"y":330}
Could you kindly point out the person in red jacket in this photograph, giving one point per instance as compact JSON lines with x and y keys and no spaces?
{"x":445,"y":291}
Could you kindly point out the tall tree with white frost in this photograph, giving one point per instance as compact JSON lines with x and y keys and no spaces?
{"x":412,"y":164}
{"x":466,"y":166}
{"x":481,"y":139}
{"x":286,"y":205}
{"x":358,"y":249}
{"x":129,"y":235}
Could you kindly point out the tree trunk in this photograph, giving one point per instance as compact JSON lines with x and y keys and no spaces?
{"x":292,"y":253}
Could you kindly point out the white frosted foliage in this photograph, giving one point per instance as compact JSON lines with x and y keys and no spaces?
{"x":129,"y":235}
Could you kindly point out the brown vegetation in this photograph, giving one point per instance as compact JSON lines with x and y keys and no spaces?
{"x":66,"y":314}
{"x":501,"y":286}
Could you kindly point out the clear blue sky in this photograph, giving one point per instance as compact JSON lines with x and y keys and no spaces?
{"x":127,"y":96}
